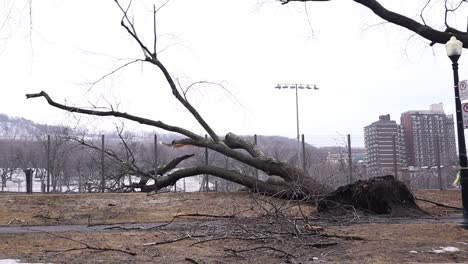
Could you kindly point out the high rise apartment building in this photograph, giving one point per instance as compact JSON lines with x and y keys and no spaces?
{"x":384,"y":145}
{"x":429,"y":134}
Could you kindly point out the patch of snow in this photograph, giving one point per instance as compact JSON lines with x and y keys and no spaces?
{"x":450,"y":249}
{"x":18,"y":183}
{"x":445,"y":250}
{"x":413,"y":252}
{"x":14,"y":261}
{"x":9,"y":261}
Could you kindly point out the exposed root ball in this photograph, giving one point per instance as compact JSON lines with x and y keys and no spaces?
{"x":379,"y":195}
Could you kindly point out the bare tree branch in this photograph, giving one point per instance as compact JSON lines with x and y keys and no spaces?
{"x":181,"y":99}
{"x":138,"y":119}
{"x":235,"y":142}
{"x":112,"y":72}
{"x":154,"y":31}
{"x":132,"y":31}
{"x":423,"y":30}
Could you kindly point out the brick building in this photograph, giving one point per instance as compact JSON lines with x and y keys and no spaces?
{"x":426,"y":133}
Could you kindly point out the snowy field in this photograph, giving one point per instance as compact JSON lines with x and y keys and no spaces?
{"x":18,"y":184}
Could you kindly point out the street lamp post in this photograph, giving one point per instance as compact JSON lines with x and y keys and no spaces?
{"x":297,"y":86}
{"x":454,"y":49}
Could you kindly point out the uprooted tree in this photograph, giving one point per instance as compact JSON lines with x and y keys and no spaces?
{"x":296,"y":184}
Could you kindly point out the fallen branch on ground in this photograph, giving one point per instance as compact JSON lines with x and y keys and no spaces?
{"x":15,"y":219}
{"x":206,"y":215}
{"x":188,"y":236}
{"x":236,"y":252}
{"x":123,"y":228}
{"x":344,"y":237}
{"x":438,"y":204}
{"x":194,"y":261}
{"x":87,"y":246}
{"x":322,"y":245}
{"x":231,"y":238}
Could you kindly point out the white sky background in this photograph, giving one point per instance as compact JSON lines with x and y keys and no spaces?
{"x":246,"y":46}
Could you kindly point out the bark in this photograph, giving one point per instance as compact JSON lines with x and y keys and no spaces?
{"x":145,"y":176}
{"x":304,"y":190}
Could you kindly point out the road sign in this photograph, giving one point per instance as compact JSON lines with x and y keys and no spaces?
{"x":463,"y":89}
{"x":465,"y":115}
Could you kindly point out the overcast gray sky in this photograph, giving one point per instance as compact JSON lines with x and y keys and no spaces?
{"x":363,"y":70}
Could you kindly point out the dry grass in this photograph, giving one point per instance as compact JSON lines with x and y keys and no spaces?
{"x":384,"y":243}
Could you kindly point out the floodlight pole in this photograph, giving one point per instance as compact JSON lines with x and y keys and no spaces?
{"x":296,"y":87}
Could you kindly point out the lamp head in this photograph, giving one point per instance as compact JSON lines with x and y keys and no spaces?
{"x":454,"y":48}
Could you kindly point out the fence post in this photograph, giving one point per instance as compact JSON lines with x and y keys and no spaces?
{"x":439,"y":171}
{"x":48,"y":163}
{"x":155,"y":165}
{"x":207,"y":187}
{"x":29,"y":174}
{"x":226,"y":166}
{"x":80,"y":183}
{"x":350,"y":161}
{"x":103,"y":180}
{"x":303,"y":154}
{"x":395,"y":165}
{"x":255,"y":143}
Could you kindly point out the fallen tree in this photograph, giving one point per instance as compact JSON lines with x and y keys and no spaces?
{"x":297,"y":183}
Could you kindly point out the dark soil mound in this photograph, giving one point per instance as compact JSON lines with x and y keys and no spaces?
{"x":379,"y":195}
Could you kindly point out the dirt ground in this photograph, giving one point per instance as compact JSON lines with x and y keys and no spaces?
{"x":223,"y":228}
